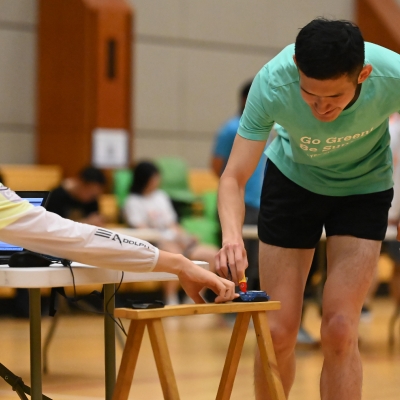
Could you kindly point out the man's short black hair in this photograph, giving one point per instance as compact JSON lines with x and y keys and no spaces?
{"x":92,"y":175}
{"x":329,"y":49}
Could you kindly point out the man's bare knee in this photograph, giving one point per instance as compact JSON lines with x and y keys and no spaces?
{"x":338,"y":334}
{"x":284,"y":337}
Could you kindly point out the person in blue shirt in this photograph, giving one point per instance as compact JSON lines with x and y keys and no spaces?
{"x":222,"y":149}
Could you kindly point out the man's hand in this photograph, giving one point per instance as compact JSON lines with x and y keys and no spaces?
{"x":231,"y":262}
{"x":194,"y":278}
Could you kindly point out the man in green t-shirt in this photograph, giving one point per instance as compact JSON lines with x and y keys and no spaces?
{"x":330,"y":167}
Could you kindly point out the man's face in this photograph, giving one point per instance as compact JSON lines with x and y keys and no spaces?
{"x":327,"y":98}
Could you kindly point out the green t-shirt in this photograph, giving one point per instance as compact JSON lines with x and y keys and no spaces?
{"x":350,"y":155}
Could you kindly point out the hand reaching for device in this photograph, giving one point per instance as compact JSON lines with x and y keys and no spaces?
{"x":231,"y":262}
{"x":194,"y":278}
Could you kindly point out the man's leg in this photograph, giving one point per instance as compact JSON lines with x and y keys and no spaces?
{"x":351,"y":267}
{"x":283,"y":274}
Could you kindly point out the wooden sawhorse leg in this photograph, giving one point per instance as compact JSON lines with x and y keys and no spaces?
{"x":233,"y":356}
{"x":129,"y":360}
{"x":163,"y":359}
{"x":267,"y":353}
{"x":161,"y":356}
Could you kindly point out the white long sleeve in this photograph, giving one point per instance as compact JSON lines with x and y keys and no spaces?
{"x":41,"y":231}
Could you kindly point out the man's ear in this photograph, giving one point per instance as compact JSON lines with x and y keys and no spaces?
{"x":294,"y":59}
{"x":365,"y":73}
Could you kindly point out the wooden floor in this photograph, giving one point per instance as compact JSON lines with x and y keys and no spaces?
{"x":198,"y":346}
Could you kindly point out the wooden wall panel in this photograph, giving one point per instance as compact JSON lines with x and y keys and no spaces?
{"x":379,"y":21}
{"x":115,"y":51}
{"x":79,"y":89}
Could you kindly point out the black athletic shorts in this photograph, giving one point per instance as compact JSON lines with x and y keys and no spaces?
{"x":293,"y":217}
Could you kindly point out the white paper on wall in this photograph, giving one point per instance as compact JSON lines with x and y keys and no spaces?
{"x":110,"y":148}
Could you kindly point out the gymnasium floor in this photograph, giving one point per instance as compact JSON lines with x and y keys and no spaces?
{"x":198,"y":346}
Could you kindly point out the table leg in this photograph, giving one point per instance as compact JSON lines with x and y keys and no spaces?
{"x":35,"y":343}
{"x":109,"y":340}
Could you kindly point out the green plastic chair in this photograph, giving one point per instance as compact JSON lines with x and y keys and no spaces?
{"x":210,"y":204}
{"x":175,"y":179}
{"x":122,"y":179}
{"x":206,"y":227}
{"x":206,"y":231}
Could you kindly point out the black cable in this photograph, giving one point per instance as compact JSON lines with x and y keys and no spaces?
{"x":73,"y":280}
{"x":75,"y":300}
{"x":120,"y":324}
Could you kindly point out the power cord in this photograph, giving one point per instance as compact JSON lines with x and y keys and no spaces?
{"x":74,"y":301}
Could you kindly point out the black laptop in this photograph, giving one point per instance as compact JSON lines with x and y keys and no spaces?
{"x":36,"y":198}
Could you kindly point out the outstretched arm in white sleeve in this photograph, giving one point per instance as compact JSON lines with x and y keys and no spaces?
{"x":36,"y":229}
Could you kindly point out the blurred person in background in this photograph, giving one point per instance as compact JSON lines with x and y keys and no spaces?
{"x":147,"y":206}
{"x":77,"y":198}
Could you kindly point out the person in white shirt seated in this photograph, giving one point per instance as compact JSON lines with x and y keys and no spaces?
{"x":147,"y":206}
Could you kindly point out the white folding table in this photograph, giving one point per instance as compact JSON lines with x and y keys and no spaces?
{"x":34,"y":279}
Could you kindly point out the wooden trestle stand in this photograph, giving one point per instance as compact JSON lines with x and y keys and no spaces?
{"x":152,"y":319}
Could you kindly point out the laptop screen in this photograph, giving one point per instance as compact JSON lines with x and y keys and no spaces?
{"x":36,"y":199}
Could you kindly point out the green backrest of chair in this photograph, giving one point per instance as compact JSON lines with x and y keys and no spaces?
{"x":175,"y":178}
{"x":210,"y":205}
{"x":206,"y":230}
{"x":174,"y":172}
{"x":123,"y":179}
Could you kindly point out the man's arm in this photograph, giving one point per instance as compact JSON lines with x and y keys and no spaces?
{"x":242,"y":162}
{"x":38,"y":230}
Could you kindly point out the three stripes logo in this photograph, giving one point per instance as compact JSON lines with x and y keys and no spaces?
{"x":103,"y":233}
{"x":108,"y":235}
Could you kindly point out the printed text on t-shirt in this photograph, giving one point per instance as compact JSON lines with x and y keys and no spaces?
{"x":316,"y":147}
